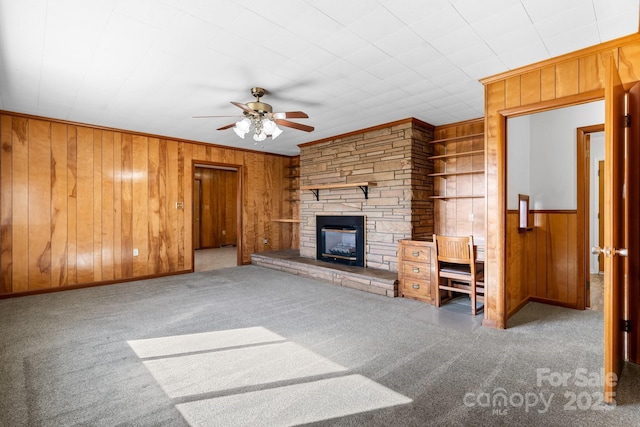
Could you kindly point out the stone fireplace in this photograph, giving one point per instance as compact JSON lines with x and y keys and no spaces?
{"x":394,"y":158}
{"x":341,"y":239}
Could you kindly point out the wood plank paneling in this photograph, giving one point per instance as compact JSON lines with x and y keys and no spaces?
{"x":107,"y":210}
{"x":6,"y":209}
{"x":172,"y":210}
{"x":542,"y":263}
{"x":39,"y":204}
{"x":59,"y":211}
{"x":567,"y":82}
{"x":530,"y":88}
{"x":77,"y":199}
{"x":140,"y":203}
{"x":72,"y":205}
{"x":97,"y":205}
{"x":20,"y":205}
{"x":127,"y":206}
{"x":154,"y":265}
{"x":85,"y":243}
{"x":117,"y":206}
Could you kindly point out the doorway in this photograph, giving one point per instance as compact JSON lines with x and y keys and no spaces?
{"x":216,"y":217}
{"x":590,"y":154}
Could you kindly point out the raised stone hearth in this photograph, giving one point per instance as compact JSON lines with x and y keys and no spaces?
{"x":376,"y":281}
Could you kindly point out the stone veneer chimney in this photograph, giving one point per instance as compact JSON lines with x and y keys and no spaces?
{"x":394,"y":156}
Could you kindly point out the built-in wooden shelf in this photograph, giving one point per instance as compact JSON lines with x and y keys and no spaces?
{"x":455,"y":197}
{"x":292,"y":176}
{"x":456,"y":138}
{"x":315,"y":189}
{"x":446,"y":174}
{"x":288,"y":220}
{"x":457,"y":154}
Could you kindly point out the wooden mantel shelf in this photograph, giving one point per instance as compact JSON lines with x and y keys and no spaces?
{"x":315,"y":189}
{"x":290,"y":220}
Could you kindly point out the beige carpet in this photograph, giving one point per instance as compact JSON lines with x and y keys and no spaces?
{"x":216,"y":258}
{"x":596,"y":292}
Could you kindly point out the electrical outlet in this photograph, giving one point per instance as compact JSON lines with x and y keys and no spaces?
{"x":265,"y":241}
{"x":135,"y":252}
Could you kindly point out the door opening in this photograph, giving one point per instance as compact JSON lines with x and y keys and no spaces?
{"x":216,"y":223}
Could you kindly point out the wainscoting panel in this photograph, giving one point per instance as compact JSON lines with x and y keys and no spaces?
{"x":542,"y":263}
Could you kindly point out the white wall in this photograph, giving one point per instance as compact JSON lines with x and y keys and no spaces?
{"x":550,"y":178}
{"x":518,"y":153}
{"x":597,"y":154}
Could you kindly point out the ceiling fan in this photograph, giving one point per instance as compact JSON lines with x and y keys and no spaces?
{"x":260,"y":117}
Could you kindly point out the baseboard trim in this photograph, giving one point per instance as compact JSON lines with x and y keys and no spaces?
{"x":89,"y":285}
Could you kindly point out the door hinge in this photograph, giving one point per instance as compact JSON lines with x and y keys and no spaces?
{"x":627,"y":120}
{"x":626,"y":326}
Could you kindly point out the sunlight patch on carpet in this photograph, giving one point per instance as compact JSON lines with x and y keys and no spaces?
{"x":284,"y":379}
{"x":180,"y":344}
{"x":241,"y":367}
{"x":294,"y":404}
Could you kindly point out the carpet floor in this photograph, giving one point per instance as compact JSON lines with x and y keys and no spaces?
{"x":257,"y":347}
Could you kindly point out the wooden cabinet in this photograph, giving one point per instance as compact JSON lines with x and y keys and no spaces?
{"x":458,"y":167}
{"x":415,"y":270}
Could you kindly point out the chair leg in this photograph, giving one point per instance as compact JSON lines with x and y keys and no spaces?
{"x":473,"y":297}
{"x":437,"y":296}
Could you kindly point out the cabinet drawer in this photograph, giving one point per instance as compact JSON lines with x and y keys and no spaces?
{"x":416,"y":288}
{"x":416,"y":253}
{"x":419,"y":270}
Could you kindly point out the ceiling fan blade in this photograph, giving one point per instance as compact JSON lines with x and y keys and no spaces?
{"x":208,"y":117}
{"x":294,"y":125}
{"x":295,"y":115}
{"x":243,"y":107}
{"x":227,"y":126}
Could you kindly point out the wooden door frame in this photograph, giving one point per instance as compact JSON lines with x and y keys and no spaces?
{"x":501,"y":291}
{"x":583,"y":170}
{"x":197,"y":189}
{"x":239,"y":174}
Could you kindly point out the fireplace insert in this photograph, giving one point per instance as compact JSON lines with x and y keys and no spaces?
{"x":340,"y":239}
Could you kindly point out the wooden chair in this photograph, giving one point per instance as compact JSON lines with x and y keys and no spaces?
{"x":456,"y":262}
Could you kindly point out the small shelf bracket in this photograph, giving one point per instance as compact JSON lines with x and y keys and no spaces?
{"x":365,"y":190}
{"x":316,"y":192}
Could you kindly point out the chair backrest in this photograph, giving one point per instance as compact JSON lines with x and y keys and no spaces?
{"x":455,"y":249}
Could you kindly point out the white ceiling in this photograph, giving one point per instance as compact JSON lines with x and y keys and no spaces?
{"x":150,"y":65}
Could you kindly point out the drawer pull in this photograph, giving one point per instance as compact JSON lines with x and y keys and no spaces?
{"x":415,"y":286}
{"x":416,"y":270}
{"x":415,"y":253}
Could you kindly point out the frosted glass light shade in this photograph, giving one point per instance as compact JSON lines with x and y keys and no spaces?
{"x":276,"y":131}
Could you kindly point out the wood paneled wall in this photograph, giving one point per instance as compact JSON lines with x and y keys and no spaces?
{"x":566,"y":80}
{"x":542,"y":263}
{"x":218,"y":207}
{"x":76,"y":200}
{"x":452,"y":216}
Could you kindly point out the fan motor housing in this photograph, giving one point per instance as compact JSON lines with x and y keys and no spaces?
{"x":260,"y":107}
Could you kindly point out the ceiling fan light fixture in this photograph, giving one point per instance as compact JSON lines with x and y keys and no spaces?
{"x":280,"y":116}
{"x":260,"y":136}
{"x":276,"y":131}
{"x":268,"y":126}
{"x":242,"y":127}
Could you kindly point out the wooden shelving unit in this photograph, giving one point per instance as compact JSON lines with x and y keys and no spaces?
{"x":292,"y":173}
{"x":458,"y":156}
